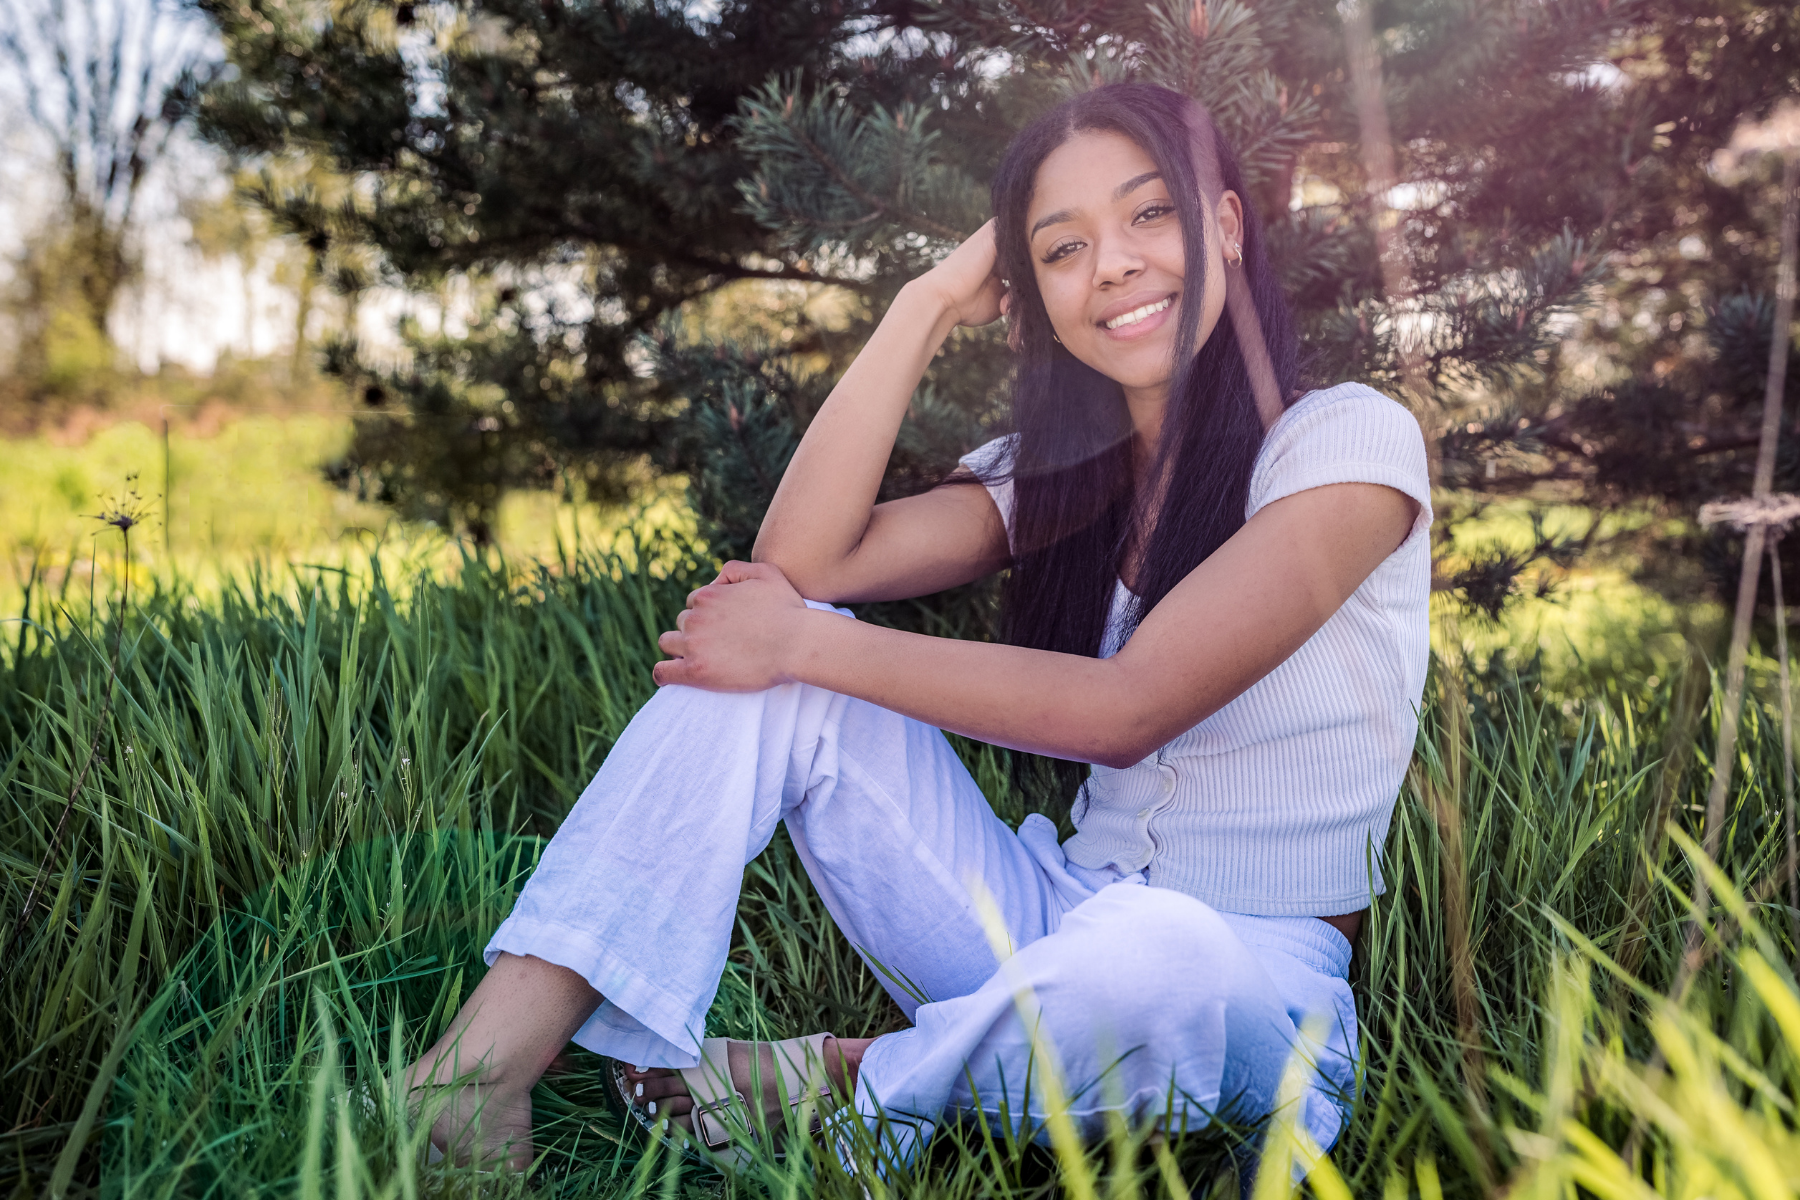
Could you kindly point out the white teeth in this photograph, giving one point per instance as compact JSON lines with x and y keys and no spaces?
{"x":1138,"y":314}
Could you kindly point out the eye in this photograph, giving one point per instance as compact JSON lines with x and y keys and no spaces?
{"x":1062,"y":250}
{"x":1155,"y":209}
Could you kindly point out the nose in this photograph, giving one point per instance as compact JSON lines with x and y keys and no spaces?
{"x":1116,"y":260}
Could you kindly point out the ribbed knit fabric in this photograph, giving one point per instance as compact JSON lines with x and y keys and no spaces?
{"x":1278,"y":804}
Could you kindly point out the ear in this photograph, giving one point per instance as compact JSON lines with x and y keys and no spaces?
{"x":1229,"y":212}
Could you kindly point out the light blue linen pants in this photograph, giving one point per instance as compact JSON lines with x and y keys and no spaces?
{"x":1147,"y":994}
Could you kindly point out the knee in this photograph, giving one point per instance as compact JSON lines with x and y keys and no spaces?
{"x":1135,"y":945}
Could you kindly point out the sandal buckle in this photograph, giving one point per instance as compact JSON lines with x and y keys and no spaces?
{"x":703,"y":1113}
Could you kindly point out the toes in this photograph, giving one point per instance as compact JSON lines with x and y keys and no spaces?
{"x":660,"y":1094}
{"x":672,"y":1106}
{"x":659,"y":1089}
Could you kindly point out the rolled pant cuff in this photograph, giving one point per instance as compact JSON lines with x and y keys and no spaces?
{"x":638,"y":1022}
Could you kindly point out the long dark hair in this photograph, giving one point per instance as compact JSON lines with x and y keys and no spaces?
{"x":1074,"y":494}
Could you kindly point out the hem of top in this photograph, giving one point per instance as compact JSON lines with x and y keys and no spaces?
{"x":1341,"y":904}
{"x":1357,"y":471}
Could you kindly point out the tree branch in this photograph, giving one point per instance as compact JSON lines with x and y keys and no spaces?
{"x":917,"y":221}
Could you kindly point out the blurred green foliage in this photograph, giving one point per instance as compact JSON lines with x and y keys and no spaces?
{"x":249,"y":492}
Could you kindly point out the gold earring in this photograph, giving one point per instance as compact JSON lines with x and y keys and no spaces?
{"x":1055,"y":339}
{"x":1237,"y":249}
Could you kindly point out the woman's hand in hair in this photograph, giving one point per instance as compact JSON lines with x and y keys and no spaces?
{"x":965,"y":283}
{"x":736,"y":634}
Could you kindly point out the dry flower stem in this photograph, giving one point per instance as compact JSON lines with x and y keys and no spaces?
{"x":1754,"y":538}
{"x":1787,"y":741}
{"x":1382,"y":174}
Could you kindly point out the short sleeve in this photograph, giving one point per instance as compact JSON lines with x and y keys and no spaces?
{"x":1346,"y":434}
{"x":991,"y":462}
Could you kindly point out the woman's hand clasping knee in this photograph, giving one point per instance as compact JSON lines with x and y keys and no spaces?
{"x":739,"y":633}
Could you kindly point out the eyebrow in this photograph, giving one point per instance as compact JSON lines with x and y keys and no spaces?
{"x":1119,"y":193}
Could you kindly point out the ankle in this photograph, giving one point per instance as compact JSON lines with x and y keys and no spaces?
{"x":447,"y":1068}
{"x":843,"y":1063}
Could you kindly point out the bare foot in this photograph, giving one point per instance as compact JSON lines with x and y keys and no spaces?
{"x":660,"y":1091}
{"x":474,"y":1085}
{"x":485,"y":1124}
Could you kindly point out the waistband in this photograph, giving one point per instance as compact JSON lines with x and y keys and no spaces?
{"x":1312,"y":941}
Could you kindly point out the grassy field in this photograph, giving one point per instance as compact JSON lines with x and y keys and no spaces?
{"x":243,"y":490}
{"x":310,"y":791}
{"x":304,"y":802}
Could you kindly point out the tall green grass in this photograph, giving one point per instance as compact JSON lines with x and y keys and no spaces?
{"x":313,"y":797}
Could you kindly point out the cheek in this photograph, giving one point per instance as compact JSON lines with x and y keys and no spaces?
{"x":1169,"y":253}
{"x":1064,"y":304}
{"x":1216,"y":282}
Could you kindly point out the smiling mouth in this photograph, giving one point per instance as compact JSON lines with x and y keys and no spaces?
{"x":1138,"y":314}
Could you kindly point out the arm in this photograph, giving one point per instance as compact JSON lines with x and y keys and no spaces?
{"x":824,"y":530}
{"x":1235,"y":618}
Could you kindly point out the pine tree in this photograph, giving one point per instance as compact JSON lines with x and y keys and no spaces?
{"x":686,"y":175}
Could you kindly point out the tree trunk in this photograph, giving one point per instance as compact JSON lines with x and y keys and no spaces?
{"x":303,"y":313}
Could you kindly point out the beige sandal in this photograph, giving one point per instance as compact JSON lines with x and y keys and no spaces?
{"x":719,"y":1106}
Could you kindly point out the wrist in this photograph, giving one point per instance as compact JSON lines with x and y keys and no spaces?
{"x":803,"y":643}
{"x":925,"y":302}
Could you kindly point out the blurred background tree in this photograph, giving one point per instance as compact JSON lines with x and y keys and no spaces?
{"x":1654,"y":398}
{"x":106,"y":83}
{"x":673,"y":225}
{"x":239,"y":223}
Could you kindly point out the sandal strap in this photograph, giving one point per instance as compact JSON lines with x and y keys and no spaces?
{"x":799,"y":1064}
{"x":709,"y":1083}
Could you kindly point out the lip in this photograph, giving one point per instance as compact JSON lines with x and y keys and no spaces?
{"x":1137,"y":300}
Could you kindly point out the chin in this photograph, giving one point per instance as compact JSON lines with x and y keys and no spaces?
{"x":1138,"y":371}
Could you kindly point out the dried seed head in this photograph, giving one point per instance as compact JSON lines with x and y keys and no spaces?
{"x":124,"y":510}
{"x":1774,"y":512}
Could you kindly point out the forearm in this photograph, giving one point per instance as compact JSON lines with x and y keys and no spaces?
{"x":1237,"y":616}
{"x":823,"y":504}
{"x":1063,"y":705}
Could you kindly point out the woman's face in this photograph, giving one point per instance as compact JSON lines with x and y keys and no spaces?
{"x":1107,"y":250}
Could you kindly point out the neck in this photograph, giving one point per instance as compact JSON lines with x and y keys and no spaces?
{"x":1147,"y":407}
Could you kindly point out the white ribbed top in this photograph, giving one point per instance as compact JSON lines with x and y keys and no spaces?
{"x":1278,"y":804}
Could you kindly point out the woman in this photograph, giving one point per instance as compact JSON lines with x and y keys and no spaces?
{"x":1217,"y":597}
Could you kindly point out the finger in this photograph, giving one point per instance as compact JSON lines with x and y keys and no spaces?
{"x":736,"y":572}
{"x":673,"y":643}
{"x":681,"y":619}
{"x":672,"y":670}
